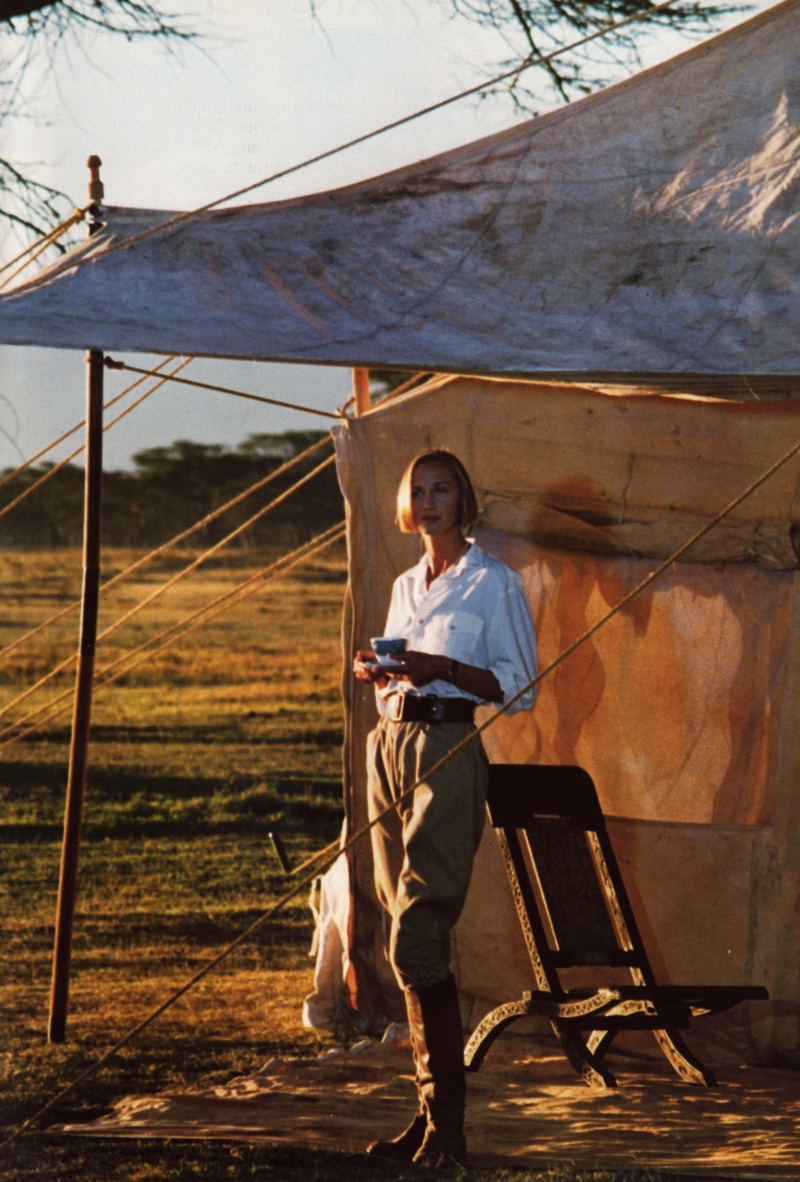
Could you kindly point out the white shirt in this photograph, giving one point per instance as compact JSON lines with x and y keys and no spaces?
{"x":476,"y":612}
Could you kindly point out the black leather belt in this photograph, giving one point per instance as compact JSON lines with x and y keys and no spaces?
{"x":427,"y":708}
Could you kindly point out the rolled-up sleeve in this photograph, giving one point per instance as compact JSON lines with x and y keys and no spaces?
{"x":475,"y":613}
{"x":511,"y":644}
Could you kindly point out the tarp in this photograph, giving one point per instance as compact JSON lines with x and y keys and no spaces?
{"x":526,"y":1107}
{"x":685,"y":707}
{"x":652,"y":227}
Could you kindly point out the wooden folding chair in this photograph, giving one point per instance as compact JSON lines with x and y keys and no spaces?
{"x":575,"y":913}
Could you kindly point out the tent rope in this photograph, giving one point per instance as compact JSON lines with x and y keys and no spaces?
{"x":309,"y":410}
{"x":166,"y":546}
{"x":228,"y":599}
{"x":51,"y":472}
{"x":41,"y":244}
{"x":641,"y":14}
{"x":215,"y":513}
{"x":590,"y":631}
{"x":329,"y":855}
{"x":9,"y":476}
{"x":334,"y":534}
{"x":223,"y":603}
{"x":162,"y":590}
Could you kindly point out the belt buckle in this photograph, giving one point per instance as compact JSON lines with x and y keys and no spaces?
{"x":437,"y":709}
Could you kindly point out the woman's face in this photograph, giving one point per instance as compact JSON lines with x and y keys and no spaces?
{"x":434,"y":499}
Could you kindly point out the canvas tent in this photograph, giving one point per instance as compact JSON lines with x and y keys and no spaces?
{"x":651,"y":227}
{"x":683,"y":707}
{"x":646,"y":237}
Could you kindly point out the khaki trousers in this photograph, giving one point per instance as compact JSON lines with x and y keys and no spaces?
{"x":423,"y":848}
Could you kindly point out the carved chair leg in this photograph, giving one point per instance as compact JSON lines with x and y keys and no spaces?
{"x":588,"y":1066}
{"x":488,"y":1029}
{"x":599,"y":1042}
{"x":687,"y":1065}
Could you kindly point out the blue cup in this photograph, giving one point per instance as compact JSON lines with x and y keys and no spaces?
{"x":386,"y":647}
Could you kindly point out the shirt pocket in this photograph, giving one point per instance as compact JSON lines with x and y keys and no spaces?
{"x":454,"y":634}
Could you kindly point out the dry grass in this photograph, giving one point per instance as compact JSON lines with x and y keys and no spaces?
{"x":195,"y":758}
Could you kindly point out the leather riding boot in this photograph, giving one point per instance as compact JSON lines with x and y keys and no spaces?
{"x":438,"y":1042}
{"x":403,"y":1147}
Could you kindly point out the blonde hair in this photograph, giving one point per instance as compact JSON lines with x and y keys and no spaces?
{"x":467,"y":502}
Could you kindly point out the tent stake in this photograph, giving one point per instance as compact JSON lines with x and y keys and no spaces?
{"x":78,"y":756}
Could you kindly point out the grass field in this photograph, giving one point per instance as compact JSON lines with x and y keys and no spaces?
{"x":196,"y":757}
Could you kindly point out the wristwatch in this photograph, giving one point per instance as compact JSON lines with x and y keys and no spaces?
{"x":451,"y":672}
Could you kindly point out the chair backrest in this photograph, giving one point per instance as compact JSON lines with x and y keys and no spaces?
{"x":569,"y":893}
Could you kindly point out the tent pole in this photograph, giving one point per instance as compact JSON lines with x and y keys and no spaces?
{"x":68,"y":882}
{"x":361,"y":390}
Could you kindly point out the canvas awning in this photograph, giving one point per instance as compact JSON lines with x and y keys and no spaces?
{"x":651,"y":227}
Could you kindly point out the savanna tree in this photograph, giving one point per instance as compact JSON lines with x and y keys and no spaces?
{"x":533,"y":29}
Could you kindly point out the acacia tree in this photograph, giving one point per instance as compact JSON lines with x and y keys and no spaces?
{"x":33,"y":29}
{"x":533,"y":29}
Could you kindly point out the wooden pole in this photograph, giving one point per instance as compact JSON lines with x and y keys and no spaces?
{"x":79,"y":749}
{"x":361,"y":390}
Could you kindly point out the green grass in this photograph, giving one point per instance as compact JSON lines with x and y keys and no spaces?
{"x":195,"y":758}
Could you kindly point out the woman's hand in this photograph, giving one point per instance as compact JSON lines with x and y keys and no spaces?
{"x":366,"y":668}
{"x":416,"y":668}
{"x":420,"y":668}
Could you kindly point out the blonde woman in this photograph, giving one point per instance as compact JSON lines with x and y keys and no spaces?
{"x":469,"y":641}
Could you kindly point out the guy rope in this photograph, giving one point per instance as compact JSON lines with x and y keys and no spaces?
{"x":326,"y":857}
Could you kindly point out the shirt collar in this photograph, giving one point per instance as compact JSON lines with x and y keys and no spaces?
{"x":472,"y":557}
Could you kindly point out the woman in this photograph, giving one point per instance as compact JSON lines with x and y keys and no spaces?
{"x":470,"y":640}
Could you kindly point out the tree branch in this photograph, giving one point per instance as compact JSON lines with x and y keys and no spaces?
{"x":32,"y":31}
{"x":550,"y":23}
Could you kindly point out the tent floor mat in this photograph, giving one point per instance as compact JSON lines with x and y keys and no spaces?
{"x":526,"y":1107}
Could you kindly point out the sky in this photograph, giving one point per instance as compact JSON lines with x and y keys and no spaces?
{"x":178,"y":129}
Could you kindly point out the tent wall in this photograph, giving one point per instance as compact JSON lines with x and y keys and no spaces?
{"x":684,"y":707}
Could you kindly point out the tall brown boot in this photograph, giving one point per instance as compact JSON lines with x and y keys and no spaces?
{"x":438,"y":1042}
{"x":403,"y":1147}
